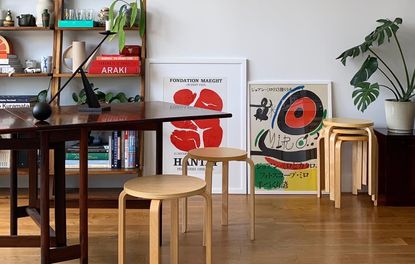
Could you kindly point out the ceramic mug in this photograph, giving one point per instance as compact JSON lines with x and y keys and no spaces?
{"x":76,"y":52}
{"x":46,"y":64}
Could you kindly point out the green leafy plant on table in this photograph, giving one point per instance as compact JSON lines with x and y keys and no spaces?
{"x":120,"y":19}
{"x":108,"y":98}
{"x":366,"y":92}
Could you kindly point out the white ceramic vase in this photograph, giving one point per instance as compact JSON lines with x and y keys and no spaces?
{"x":42,"y":5}
{"x":400,"y":116}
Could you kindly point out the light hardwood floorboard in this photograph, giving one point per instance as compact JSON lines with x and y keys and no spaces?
{"x":289,"y":229}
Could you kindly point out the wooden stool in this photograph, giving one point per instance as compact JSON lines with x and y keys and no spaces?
{"x":158,"y":188}
{"x":365,"y":152}
{"x":224,"y":155}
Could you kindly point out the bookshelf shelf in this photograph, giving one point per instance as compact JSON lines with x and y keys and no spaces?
{"x":92,"y":28}
{"x":25,"y":75}
{"x":25,"y":29}
{"x":24,"y":171}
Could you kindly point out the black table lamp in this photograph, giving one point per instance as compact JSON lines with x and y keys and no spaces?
{"x":42,"y":110}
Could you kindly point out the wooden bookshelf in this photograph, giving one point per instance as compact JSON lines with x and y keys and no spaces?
{"x":25,"y":29}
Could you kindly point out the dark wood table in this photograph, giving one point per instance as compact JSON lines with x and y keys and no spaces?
{"x":396,"y":168}
{"x":66,"y":124}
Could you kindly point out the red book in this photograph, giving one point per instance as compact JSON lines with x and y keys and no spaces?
{"x":116,"y":63}
{"x":117,"y":57}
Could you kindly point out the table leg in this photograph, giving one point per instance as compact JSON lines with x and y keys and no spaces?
{"x":33,"y":178}
{"x":13,"y":191}
{"x":159,"y":169}
{"x":44,"y":198}
{"x":83,"y":195}
{"x":60,"y":197}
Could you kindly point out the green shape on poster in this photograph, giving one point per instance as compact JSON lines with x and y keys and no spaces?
{"x":268,"y":177}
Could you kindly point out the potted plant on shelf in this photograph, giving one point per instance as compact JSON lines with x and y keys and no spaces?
{"x":400,"y":111}
{"x":127,"y":15}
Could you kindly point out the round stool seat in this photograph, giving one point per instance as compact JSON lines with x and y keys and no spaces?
{"x":349,"y":131}
{"x":161,"y":187}
{"x":218,"y":154}
{"x":347,"y":122}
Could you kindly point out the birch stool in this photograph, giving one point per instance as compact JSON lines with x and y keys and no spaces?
{"x":158,"y":188}
{"x":364,"y":155}
{"x":220,"y":154}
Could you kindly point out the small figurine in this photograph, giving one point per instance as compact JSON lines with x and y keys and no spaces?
{"x":103,"y":15}
{"x":8,"y":22}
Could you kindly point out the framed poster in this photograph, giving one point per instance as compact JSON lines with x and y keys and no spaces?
{"x":285,"y":118}
{"x":217,"y":84}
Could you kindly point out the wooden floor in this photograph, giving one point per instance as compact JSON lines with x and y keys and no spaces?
{"x":290,"y":229}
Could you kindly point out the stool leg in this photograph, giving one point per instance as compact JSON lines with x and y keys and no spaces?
{"x":364,"y":165}
{"x":208,"y":227}
{"x":121,"y":227}
{"x":174,"y":232}
{"x":184,"y":200}
{"x":337,"y":178}
{"x":252,"y":193}
{"x":333,"y":138}
{"x":154,"y":231}
{"x":370,"y":176}
{"x":208,"y":179}
{"x":359,"y":163}
{"x":355,"y":169}
{"x":225,"y":179}
{"x":320,"y":165}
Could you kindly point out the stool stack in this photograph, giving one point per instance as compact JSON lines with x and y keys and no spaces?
{"x":335,"y":132}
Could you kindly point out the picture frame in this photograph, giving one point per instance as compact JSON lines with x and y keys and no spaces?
{"x":213,"y":83}
{"x":284,"y":119}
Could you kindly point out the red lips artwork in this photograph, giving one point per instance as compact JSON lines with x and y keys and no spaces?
{"x":187,"y":135}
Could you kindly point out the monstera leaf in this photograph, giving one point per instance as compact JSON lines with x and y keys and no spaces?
{"x":369,"y":66}
{"x":385,"y":31}
{"x":364,"y":94}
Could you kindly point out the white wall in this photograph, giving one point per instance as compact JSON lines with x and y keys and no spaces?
{"x":282,"y":40}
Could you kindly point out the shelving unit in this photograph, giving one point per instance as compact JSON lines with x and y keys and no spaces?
{"x":58,"y":75}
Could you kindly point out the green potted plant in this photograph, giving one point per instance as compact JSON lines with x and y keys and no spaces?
{"x":400,"y":111}
{"x":106,"y":98}
{"x":126,"y":15}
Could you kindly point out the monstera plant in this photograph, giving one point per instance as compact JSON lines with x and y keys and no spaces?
{"x":366,"y":91}
{"x":127,"y":15}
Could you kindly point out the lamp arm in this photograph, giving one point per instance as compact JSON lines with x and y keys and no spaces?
{"x":107,"y":33}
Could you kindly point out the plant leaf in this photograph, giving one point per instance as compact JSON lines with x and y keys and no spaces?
{"x":369,"y":66}
{"x":42,"y":96}
{"x":364,"y":94}
{"x":75,"y":97}
{"x":384,"y":31}
{"x":108,"y":97}
{"x":111,"y":12}
{"x":133,"y":15}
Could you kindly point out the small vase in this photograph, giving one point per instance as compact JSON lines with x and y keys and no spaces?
{"x":40,"y":7}
{"x":400,"y":116}
{"x":45,"y":18}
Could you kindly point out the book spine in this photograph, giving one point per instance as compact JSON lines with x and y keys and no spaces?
{"x":136,"y":149}
{"x":118,"y":150}
{"x":125,"y":150}
{"x":91,"y":156}
{"x":114,"y":149}
{"x":13,"y":105}
{"x":110,"y":151}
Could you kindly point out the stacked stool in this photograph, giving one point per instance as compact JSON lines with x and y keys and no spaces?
{"x":220,"y":154}
{"x":158,"y":188}
{"x":335,"y":132}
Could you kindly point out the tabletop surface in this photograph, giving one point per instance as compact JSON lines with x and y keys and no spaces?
{"x":67,"y":117}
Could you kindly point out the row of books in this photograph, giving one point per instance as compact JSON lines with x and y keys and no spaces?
{"x":10,"y":63}
{"x":121,"y":152}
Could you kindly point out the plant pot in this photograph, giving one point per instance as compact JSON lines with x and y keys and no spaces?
{"x":400,"y":116}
